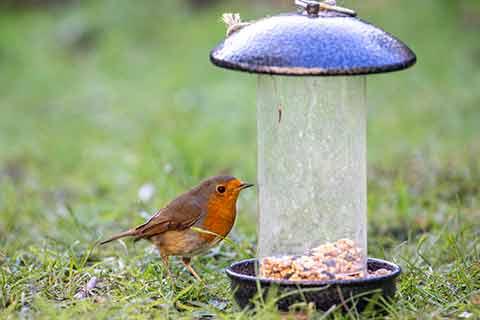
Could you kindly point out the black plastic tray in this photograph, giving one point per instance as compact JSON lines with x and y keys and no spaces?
{"x":324,"y":294}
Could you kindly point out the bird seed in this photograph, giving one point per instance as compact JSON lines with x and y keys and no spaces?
{"x":342,"y":260}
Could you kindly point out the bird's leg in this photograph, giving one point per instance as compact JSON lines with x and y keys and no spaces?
{"x":165,"y":263}
{"x":186,"y":262}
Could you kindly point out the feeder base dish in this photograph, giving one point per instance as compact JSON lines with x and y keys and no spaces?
{"x":354,"y":293}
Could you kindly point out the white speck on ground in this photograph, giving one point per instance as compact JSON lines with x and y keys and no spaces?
{"x":465,"y":315}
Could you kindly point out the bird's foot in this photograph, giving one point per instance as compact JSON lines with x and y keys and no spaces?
{"x":186,"y":262}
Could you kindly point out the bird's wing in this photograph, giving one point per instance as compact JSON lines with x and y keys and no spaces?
{"x":178,"y":215}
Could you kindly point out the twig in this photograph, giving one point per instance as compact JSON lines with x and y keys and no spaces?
{"x":234,"y":23}
{"x":344,"y":303}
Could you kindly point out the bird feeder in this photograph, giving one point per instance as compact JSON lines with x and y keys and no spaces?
{"x":311,"y":120}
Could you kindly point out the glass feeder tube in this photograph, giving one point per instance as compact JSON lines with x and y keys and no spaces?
{"x":311,"y":164}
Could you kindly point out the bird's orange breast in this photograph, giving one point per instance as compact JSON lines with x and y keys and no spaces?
{"x":219,"y":219}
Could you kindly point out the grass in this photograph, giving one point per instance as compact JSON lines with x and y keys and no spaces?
{"x":100,"y":98}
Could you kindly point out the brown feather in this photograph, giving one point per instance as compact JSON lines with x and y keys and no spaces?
{"x":180,"y":214}
{"x":129,"y":233}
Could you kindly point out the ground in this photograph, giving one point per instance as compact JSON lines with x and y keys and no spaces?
{"x":102,"y":99}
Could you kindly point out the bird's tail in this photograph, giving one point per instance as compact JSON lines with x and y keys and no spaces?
{"x":129,"y":233}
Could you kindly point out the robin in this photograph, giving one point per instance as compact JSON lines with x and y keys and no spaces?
{"x":192,"y":223}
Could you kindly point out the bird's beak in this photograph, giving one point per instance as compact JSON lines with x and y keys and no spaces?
{"x":245,"y":185}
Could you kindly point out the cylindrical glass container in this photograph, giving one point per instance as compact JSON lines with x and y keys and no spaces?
{"x":312,"y":176}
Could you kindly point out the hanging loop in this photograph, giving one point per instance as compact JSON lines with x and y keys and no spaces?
{"x":313,"y":8}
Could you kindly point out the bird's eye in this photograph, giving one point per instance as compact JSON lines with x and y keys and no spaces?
{"x":221,"y":189}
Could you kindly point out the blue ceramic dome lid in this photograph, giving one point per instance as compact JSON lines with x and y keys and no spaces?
{"x":318,"y":43}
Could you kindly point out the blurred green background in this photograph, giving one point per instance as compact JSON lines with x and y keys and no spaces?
{"x":102,"y":99}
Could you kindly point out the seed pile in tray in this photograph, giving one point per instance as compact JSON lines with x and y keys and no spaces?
{"x":341,"y":260}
